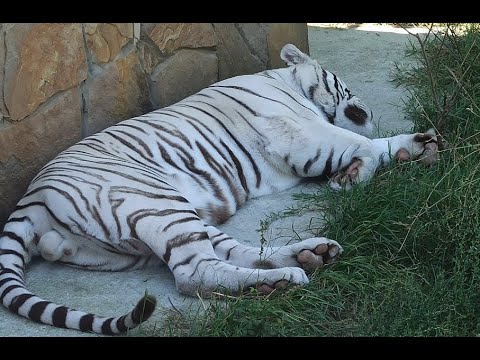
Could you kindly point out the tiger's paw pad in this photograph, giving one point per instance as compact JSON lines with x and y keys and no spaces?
{"x":323,"y":254}
{"x":347,"y":177}
{"x":267,"y":289}
{"x":428,"y":142}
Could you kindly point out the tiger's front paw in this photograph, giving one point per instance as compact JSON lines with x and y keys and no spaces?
{"x":424,"y":148}
{"x":347,"y":177}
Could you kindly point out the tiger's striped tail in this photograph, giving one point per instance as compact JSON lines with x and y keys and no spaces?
{"x":15,"y":242}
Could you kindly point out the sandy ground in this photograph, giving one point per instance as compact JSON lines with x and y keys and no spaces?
{"x":362,"y":57}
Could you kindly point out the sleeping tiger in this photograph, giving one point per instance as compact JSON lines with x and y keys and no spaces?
{"x":150,"y":189}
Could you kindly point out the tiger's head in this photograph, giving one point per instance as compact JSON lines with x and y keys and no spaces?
{"x":327,"y":92}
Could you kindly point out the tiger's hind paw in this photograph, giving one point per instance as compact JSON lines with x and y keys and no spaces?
{"x":323,"y":254}
{"x":291,"y":276}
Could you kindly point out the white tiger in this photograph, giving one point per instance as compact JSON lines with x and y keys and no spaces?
{"x":150,"y":189}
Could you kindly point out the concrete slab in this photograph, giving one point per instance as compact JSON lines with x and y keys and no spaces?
{"x":363,"y":60}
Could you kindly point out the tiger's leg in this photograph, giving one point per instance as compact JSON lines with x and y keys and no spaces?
{"x":308,"y":254}
{"x":183,"y":243}
{"x":421,"y":146}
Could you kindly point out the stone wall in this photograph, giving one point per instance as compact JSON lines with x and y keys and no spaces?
{"x":62,"y":82}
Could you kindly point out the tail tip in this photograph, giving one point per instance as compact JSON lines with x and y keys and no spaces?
{"x":144,"y":308}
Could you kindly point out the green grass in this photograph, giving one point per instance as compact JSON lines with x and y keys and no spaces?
{"x":411,"y":265}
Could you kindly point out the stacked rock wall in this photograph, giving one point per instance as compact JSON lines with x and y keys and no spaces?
{"x":62,"y":82}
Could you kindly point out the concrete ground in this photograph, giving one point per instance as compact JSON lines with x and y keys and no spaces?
{"x":362,"y":57}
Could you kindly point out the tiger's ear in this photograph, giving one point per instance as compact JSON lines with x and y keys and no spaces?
{"x":292,"y":55}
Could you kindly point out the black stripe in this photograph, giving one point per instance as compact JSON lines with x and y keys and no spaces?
{"x":266,"y":74}
{"x":339,"y":164}
{"x":251,"y":126}
{"x":330,"y":117}
{"x":181,"y":240}
{"x":115,"y":204}
{"x":140,"y":141}
{"x":311,"y":91}
{"x":130,"y":146}
{"x":13,"y":252}
{"x":229,"y":251}
{"x":86,"y":323}
{"x":20,"y":219}
{"x":99,"y":219}
{"x":325,"y":82}
{"x":144,"y":309}
{"x":291,"y":97}
{"x":214,"y":236}
{"x":328,"y":164}
{"x":121,"y":174}
{"x":59,"y":317}
{"x":61,"y":192}
{"x":131,"y":126}
{"x":184,"y":262}
{"x":185,"y":116}
{"x":253,"y":93}
{"x":222,"y":240}
{"x":107,"y":328}
{"x":253,"y":112}
{"x":254,"y":165}
{"x":180,"y":221}
{"x":136,"y":216}
{"x":151,"y":195}
{"x":18,"y":301}
{"x":6,"y":280}
{"x":50,"y":212}
{"x":11,"y":271}
{"x":175,"y":133}
{"x":79,"y":192}
{"x":8,"y":289}
{"x":167,"y":158}
{"x":238,"y":166}
{"x":217,"y":149}
{"x":337,"y":85}
{"x":198,"y":264}
{"x":121,"y":324}
{"x":190,"y":165}
{"x":220,"y":171}
{"x":15,"y":237}
{"x":310,"y":162}
{"x":37,"y":310}
{"x":294,"y":170}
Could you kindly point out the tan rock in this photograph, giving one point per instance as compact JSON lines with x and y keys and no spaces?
{"x":149,"y":55}
{"x":172,"y":36}
{"x":255,"y":36}
{"x":105,"y":41}
{"x":234,"y":56}
{"x":117,"y":93}
{"x":279,"y":34}
{"x":42,"y":59}
{"x":183,"y":74}
{"x":28,"y":145}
